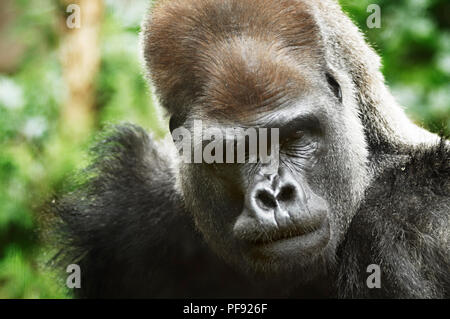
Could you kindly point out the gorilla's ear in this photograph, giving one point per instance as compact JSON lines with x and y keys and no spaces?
{"x":174,"y":122}
{"x":335,"y":87}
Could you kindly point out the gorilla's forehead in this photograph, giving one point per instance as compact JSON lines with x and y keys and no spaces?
{"x":242,"y":53}
{"x":244,"y":75}
{"x":211,"y":19}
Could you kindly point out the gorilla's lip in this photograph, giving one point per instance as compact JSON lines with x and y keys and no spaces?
{"x":286,"y":234}
{"x":301,"y":242}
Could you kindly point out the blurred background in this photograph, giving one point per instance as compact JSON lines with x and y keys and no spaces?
{"x":59,"y":86}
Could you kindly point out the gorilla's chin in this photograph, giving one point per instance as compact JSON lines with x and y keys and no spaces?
{"x":304,"y":255}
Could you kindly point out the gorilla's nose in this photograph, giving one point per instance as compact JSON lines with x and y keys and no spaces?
{"x":278,"y":206}
{"x":278,"y":195}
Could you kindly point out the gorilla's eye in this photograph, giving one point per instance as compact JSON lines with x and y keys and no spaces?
{"x":292,"y":137}
{"x":335,"y":87}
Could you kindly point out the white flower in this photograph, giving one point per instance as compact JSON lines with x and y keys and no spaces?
{"x":11,"y":94}
{"x":35,"y":127}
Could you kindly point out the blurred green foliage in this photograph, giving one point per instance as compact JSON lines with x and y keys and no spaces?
{"x":414,"y":42}
{"x":35,"y":158}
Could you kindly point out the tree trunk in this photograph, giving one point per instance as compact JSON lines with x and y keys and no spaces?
{"x":80,"y":58}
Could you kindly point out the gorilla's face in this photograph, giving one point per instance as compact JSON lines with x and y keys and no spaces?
{"x":263,"y":64}
{"x":287,"y":215}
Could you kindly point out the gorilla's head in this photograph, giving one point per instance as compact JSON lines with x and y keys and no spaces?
{"x":288,"y":216}
{"x":270,"y":64}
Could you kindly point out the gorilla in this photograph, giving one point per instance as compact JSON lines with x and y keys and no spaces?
{"x":357,"y":184}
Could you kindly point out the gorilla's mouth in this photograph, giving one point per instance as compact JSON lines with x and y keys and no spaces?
{"x":286,"y":233}
{"x":294,"y":241}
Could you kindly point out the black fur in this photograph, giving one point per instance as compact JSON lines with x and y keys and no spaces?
{"x":127,"y":229}
{"x":403,"y":227}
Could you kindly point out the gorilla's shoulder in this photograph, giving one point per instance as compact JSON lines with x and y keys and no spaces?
{"x":402,"y":225}
{"x":413,"y":192}
{"x":432,"y":163}
{"x":126,"y":146}
{"x":127,"y":165}
{"x":122,"y":210}
{"x":125,"y":192}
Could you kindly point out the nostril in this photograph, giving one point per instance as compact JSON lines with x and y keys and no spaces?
{"x":265,"y":200}
{"x":286,"y":194}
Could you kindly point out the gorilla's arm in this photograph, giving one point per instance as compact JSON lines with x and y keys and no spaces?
{"x":403,"y":227}
{"x":126,"y":228}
